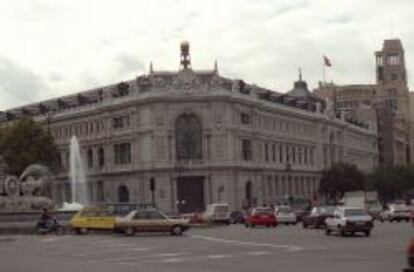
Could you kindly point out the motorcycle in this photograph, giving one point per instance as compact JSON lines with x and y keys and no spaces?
{"x":50,"y":226}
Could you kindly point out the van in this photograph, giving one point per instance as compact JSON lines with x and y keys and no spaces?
{"x":218,"y":213}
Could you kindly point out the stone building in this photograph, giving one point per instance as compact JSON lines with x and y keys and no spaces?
{"x":384,"y":104}
{"x":187,"y":138}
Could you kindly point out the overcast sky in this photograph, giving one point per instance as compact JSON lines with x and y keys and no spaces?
{"x":50,"y":48}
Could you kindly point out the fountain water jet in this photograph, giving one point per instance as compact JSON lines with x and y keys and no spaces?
{"x":77,"y":174}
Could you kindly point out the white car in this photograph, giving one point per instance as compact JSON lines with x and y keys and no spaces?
{"x":349,"y":220}
{"x":217,"y":213}
{"x":395,"y":212}
{"x":285,"y":215}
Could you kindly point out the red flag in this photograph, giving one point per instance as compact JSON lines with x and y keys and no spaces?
{"x":326,"y":61}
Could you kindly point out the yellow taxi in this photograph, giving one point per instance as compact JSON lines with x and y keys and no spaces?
{"x":92,"y":218}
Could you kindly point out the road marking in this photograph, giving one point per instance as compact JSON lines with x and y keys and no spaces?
{"x":168,"y":254}
{"x":289,"y":248}
{"x":218,"y":256}
{"x":258,"y":253}
{"x":172,"y":260}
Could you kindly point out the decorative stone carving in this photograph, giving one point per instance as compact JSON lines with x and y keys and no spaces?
{"x":12,"y":186}
{"x":187,"y":80}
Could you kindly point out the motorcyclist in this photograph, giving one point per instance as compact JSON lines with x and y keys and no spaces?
{"x":45,"y":219}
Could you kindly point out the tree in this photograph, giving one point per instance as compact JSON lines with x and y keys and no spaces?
{"x":393,"y":182}
{"x":341,"y":178}
{"x":25,"y":143}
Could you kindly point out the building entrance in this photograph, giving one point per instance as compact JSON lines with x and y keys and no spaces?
{"x":190,"y":194}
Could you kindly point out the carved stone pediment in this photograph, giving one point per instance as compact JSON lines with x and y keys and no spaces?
{"x":187,"y":80}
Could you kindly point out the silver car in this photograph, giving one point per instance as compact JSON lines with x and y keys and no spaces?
{"x":349,"y":220}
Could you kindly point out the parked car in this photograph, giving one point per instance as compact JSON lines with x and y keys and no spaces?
{"x":317,"y":216}
{"x":410,"y":256}
{"x":218,"y":213}
{"x":349,"y":220}
{"x":263,"y":216}
{"x":285,"y":215}
{"x":194,"y":218}
{"x":395,"y":212}
{"x":237,"y":217}
{"x":150,"y":220}
{"x":92,"y":218}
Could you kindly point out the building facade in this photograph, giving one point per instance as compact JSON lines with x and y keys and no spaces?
{"x":187,"y":138}
{"x":384,"y":105}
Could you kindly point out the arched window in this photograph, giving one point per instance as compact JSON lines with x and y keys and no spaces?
{"x":188,"y":137}
{"x":101,"y":157}
{"x":123,"y":194}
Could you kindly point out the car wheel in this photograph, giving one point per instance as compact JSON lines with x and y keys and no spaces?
{"x":129,"y":231}
{"x":246,"y":225}
{"x":341,"y":231}
{"x":352,"y":233}
{"x":83,"y":231}
{"x":274,"y":225}
{"x":252,"y":225}
{"x":407,"y":220}
{"x":304,"y":225}
{"x":367,"y":233}
{"x":59,"y":230}
{"x":176,"y":230}
{"x":328,"y":231}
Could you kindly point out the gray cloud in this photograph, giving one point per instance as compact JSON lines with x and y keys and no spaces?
{"x":128,"y":63}
{"x":18,"y":85}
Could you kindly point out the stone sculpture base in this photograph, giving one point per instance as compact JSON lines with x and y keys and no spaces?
{"x":24,"y":204}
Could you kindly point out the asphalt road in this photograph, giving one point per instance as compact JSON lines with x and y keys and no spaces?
{"x":233,"y":248}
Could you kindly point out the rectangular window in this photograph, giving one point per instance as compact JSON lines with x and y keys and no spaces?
{"x":120,"y":122}
{"x":246,"y":150}
{"x":100,"y":191}
{"x":245,"y":118}
{"x":122,"y":153}
{"x":273,"y":153}
{"x":280,"y":153}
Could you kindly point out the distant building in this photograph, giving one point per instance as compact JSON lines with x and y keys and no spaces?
{"x":385,"y":105}
{"x":189,"y":138}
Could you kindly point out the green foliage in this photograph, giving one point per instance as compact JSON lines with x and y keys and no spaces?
{"x":393,"y":182}
{"x":24,"y":143}
{"x":341,"y":178}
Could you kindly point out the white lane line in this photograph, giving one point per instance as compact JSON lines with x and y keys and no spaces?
{"x":172,"y":260}
{"x":167,"y":254}
{"x":257,"y":253}
{"x":218,"y":256}
{"x":290,"y":248}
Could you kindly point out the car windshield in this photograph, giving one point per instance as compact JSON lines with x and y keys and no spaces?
{"x":285,"y":210}
{"x":355,"y":212}
{"x":327,"y":210}
{"x":221,"y":208}
{"x":262,"y":211}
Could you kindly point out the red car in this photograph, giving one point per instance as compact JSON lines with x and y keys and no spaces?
{"x":262,"y":216}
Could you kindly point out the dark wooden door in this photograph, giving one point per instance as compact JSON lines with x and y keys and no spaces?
{"x":190,"y":194}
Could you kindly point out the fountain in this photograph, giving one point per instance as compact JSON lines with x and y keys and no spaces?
{"x":77,"y":174}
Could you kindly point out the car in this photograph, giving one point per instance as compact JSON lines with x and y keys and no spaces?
{"x":410,"y":256}
{"x":262,"y":216}
{"x":349,"y":220}
{"x":395,"y":212}
{"x":92,"y":218}
{"x":150,"y":220}
{"x":237,"y":217}
{"x":195,"y":218}
{"x":316,"y":217}
{"x":285,"y":215}
{"x":217,"y":213}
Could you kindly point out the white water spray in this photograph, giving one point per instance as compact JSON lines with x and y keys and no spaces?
{"x":77,"y":174}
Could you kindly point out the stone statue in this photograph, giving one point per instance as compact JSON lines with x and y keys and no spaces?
{"x":29,"y":192}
